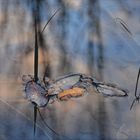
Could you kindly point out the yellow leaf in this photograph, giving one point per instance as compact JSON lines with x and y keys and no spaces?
{"x":70,"y":93}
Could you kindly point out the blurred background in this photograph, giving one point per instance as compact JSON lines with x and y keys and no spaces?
{"x":85,"y":36}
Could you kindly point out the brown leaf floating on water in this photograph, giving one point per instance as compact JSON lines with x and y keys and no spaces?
{"x":71,"y":93}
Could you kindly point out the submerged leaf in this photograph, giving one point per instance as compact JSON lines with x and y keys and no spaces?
{"x":35,"y":93}
{"x":67,"y":87}
{"x":111,"y":90}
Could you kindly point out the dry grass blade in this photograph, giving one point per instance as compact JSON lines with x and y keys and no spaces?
{"x":35,"y":67}
{"x":50,"y":19}
{"x":45,"y":123}
{"x":23,"y":115}
{"x":136,"y":88}
{"x":137,"y":97}
{"x":36,"y":54}
{"x":36,"y":59}
{"x":35,"y":117}
{"x":124,"y":25}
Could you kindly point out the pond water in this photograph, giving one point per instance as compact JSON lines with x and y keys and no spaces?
{"x":85,"y":37}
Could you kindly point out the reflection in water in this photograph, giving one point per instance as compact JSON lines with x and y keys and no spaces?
{"x":101,"y":43}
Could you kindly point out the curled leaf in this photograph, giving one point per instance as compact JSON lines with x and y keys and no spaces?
{"x":71,"y":93}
